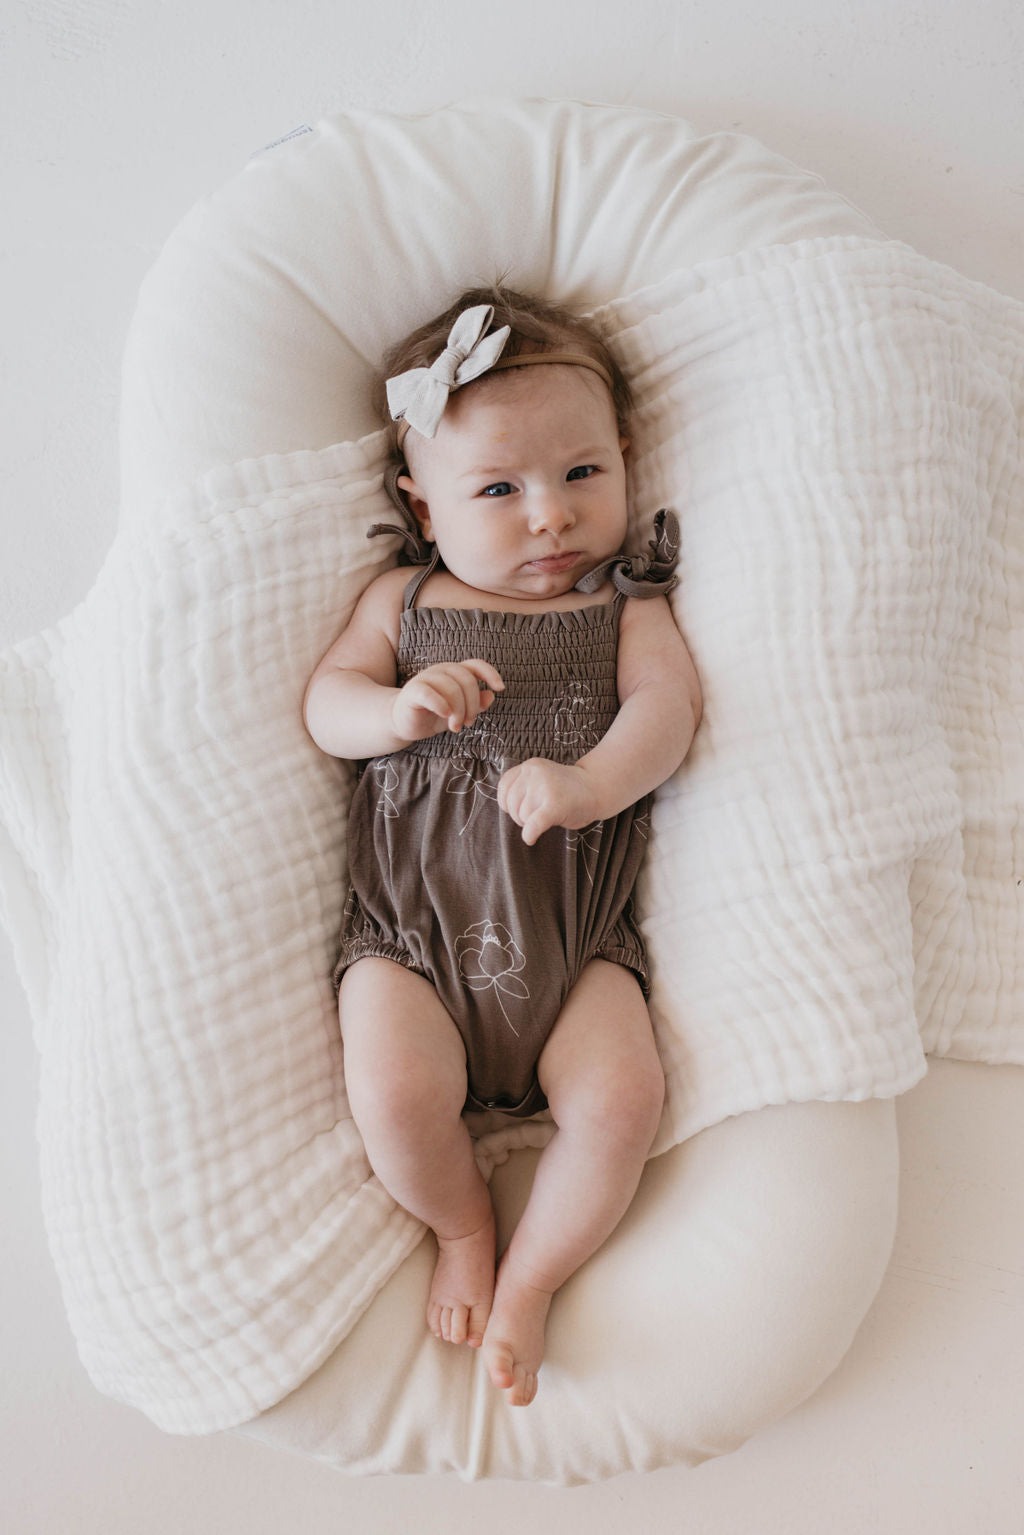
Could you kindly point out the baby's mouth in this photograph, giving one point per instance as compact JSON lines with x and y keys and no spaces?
{"x":556,"y":562}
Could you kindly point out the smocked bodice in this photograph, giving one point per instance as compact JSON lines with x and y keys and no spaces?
{"x":559,"y":671}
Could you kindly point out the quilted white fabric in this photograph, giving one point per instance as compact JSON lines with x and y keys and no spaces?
{"x":833,"y":885}
{"x":262,"y":323}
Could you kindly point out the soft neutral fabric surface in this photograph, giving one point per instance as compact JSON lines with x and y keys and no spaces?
{"x":261,"y":324}
{"x":835,"y":883}
{"x":732,"y":1288}
{"x":830,"y":887}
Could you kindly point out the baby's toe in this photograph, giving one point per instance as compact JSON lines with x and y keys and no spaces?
{"x":477,"y":1324}
{"x":523,"y":1389}
{"x":501,"y":1366}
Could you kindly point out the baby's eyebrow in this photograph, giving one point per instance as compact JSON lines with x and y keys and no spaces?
{"x":579,"y":456}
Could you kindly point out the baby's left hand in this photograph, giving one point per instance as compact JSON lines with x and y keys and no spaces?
{"x":539,"y":794}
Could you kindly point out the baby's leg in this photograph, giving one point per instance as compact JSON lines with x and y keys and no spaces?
{"x":603,"y":1079}
{"x":405,"y":1072}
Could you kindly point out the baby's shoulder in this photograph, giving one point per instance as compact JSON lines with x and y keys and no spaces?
{"x":385,"y":594}
{"x":378,"y":611}
{"x":395,"y":579}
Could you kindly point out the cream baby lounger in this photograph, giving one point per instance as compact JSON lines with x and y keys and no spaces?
{"x":827,"y":897}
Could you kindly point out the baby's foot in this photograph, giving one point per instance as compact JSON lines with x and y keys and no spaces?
{"x":514,"y":1340}
{"x":463,"y":1286}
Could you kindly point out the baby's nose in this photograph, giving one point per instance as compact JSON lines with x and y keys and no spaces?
{"x":551,"y":513}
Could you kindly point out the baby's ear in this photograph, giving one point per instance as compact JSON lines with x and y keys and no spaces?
{"x":624,"y":445}
{"x":412,"y":524}
{"x":415,"y":501}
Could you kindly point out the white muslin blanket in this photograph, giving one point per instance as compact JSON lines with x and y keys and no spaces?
{"x":834,"y":882}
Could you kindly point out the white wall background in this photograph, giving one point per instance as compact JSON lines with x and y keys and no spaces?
{"x":116,"y":116}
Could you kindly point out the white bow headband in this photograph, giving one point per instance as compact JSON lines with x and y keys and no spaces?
{"x":418,"y":397}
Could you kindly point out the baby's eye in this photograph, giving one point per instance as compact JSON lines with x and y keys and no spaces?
{"x":582,"y":472}
{"x":501,"y":488}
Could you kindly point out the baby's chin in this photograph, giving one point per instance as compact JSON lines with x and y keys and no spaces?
{"x":545,"y":587}
{"x":537,"y":581}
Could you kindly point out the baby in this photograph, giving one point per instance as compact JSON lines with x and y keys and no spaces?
{"x":513,"y":707}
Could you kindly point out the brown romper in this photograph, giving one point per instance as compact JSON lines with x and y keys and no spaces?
{"x":441,"y":879}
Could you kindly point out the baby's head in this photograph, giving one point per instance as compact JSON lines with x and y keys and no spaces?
{"x":518,"y":474}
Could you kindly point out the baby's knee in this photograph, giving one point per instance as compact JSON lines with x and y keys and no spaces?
{"x":402,"y":1090}
{"x":624,"y":1104}
{"x":399,"y":1091}
{"x":404,"y":1057}
{"x":638,"y":1104}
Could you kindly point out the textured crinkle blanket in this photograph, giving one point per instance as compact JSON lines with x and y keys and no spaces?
{"x":834,"y":881}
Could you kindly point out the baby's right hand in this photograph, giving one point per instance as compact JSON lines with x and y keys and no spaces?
{"x":447,"y":696}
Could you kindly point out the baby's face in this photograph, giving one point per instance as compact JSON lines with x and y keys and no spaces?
{"x":523,"y":489}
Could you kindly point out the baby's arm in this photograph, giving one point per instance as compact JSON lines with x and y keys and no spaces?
{"x":660,"y":709}
{"x":353,"y":707}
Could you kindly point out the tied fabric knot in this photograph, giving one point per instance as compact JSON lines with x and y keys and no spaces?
{"x":642,"y":575}
{"x":418,"y":550}
{"x":419,"y":396}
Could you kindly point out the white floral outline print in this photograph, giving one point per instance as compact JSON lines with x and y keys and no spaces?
{"x":387,"y":779}
{"x":587,"y":840}
{"x":468,"y":775}
{"x":489,"y":957}
{"x":574,"y":719}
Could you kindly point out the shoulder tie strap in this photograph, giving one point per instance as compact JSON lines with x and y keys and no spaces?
{"x":418,"y":550}
{"x":642,"y":575}
{"x":413,"y":586}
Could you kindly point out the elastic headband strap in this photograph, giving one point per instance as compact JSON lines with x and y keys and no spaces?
{"x":575,"y":359}
{"x":526,"y":360}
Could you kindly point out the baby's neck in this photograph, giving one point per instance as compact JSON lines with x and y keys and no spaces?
{"x":443,"y":590}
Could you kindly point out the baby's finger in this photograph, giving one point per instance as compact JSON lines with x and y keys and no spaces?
{"x":503,"y":787}
{"x":510,"y":792}
{"x":478,"y":682}
{"x":428,"y":696}
{"x":528,"y":811}
{"x":465,"y":696}
{"x":485,"y":673}
{"x":535,"y":825}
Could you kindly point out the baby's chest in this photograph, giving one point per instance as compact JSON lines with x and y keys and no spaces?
{"x":560,"y":694}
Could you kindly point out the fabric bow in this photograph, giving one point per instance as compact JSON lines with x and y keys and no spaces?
{"x":642,"y":575}
{"x":420,"y":395}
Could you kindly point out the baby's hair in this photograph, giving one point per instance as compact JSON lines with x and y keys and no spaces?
{"x":536,"y":325}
